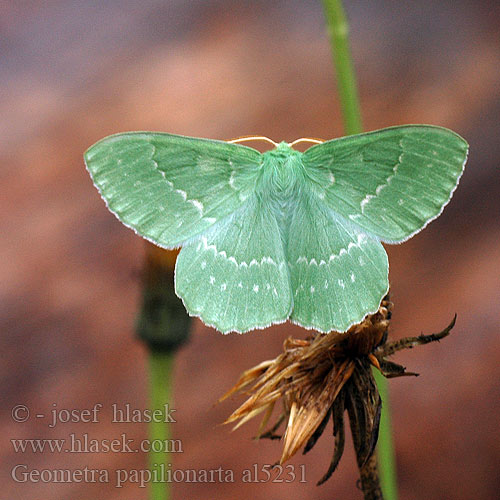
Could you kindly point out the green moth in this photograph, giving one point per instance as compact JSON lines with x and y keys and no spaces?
{"x":281,"y":235}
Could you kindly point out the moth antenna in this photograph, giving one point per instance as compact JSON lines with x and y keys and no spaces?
{"x":306,"y":139}
{"x":247,"y":138}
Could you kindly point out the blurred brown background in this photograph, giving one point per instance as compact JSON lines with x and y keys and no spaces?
{"x":73,"y":71}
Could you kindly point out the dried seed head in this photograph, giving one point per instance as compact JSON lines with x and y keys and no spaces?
{"x":320,"y":377}
{"x":308,"y":376}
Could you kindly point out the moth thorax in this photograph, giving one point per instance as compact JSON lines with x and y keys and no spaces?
{"x":282,"y":166}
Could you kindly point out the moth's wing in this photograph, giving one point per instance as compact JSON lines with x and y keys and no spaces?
{"x":339,"y":274}
{"x":169,"y":188}
{"x":390,"y":182}
{"x":235,"y":276}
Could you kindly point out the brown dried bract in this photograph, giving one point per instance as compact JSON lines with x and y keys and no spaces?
{"x":318,"y":378}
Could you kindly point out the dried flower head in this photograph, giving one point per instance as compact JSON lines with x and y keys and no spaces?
{"x":319,"y":378}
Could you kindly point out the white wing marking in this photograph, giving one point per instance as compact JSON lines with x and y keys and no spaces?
{"x":361,"y":239}
{"x":379,"y":188}
{"x":222,"y":253}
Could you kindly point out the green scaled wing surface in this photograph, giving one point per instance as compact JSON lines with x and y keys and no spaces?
{"x":200,"y":194}
{"x":235,"y":277}
{"x":283,"y":234}
{"x":169,"y":188}
{"x":392,"y":182}
{"x":337,"y":272}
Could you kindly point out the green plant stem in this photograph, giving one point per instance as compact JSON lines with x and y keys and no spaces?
{"x":163,"y":325}
{"x":338,"y":29}
{"x":385,"y":447}
{"x":160,"y":368}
